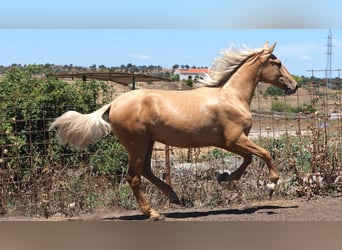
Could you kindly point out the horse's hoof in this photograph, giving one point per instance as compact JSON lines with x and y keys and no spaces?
{"x":222,"y":176}
{"x":271,"y":187}
{"x":157,"y":217}
{"x":175,"y":201}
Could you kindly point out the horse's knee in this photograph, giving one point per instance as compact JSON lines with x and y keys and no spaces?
{"x":129,"y":179}
{"x":133,"y":181}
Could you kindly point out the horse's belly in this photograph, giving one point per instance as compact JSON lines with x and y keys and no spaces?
{"x":181,"y":138}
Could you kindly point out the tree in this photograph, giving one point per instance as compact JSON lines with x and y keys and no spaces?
{"x":102,"y":68}
{"x":93,"y":67}
{"x":274,"y":91}
{"x":299,"y":79}
{"x":175,"y":78}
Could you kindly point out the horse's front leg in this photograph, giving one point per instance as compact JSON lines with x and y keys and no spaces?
{"x":245,"y":147}
{"x":236,"y":175}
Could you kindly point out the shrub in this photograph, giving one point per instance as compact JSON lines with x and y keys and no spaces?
{"x":280,"y":106}
{"x":305,"y":108}
{"x":274,"y":91}
{"x":35,"y":167}
{"x":109,"y":157}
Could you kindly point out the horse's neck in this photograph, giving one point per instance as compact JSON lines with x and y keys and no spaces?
{"x":243,"y":82}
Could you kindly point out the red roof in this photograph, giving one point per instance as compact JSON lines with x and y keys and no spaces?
{"x":193,"y":71}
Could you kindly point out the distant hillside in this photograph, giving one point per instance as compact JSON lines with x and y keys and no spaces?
{"x":154,"y":70}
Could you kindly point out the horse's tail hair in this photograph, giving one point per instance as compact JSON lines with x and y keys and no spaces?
{"x":80,"y":130}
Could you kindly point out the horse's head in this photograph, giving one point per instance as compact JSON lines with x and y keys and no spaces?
{"x":274,"y":72}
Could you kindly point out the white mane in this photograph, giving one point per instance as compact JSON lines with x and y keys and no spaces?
{"x":224,"y":66}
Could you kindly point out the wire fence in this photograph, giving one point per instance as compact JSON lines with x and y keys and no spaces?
{"x":303,"y":133}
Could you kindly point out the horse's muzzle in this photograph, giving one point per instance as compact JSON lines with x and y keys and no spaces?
{"x":289,"y":91}
{"x":291,"y":86}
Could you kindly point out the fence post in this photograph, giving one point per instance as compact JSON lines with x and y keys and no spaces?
{"x":167,"y":165}
{"x":167,"y":168}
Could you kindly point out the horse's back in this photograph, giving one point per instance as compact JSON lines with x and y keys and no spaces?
{"x":178,"y":118}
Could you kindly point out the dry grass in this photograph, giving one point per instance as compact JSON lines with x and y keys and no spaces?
{"x":298,"y":144}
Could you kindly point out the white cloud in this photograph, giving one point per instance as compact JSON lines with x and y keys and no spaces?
{"x":304,"y":58}
{"x":301,"y":50}
{"x":305,"y":53}
{"x":141,"y":57}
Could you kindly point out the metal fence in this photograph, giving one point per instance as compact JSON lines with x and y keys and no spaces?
{"x":303,"y":133}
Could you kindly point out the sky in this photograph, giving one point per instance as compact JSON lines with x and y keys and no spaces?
{"x":112,"y":33}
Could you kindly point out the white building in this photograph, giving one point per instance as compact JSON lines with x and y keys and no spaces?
{"x":190,"y":74}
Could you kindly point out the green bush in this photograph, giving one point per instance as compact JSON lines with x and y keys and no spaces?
{"x":216,"y":153}
{"x":109,"y":157}
{"x":280,"y":106}
{"x":305,"y":108}
{"x":274,"y":91}
{"x":30,"y":154}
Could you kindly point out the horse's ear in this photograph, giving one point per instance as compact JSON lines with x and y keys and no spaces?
{"x":269,"y":50}
{"x":272,"y":47}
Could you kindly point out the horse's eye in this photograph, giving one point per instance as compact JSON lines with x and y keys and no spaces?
{"x":278,"y":64}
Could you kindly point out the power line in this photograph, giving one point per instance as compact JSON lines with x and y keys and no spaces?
{"x":326,"y":71}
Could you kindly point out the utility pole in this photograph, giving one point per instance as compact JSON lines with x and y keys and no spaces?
{"x":328,"y":71}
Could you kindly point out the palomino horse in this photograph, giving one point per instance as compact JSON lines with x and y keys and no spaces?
{"x":217,"y":114}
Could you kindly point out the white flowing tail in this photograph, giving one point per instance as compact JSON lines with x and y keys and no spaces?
{"x":81,"y":129}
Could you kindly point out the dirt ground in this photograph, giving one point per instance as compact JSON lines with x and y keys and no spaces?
{"x":316,"y":209}
{"x":320,"y":208}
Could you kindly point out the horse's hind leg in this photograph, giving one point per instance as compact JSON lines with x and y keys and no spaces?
{"x":133,"y":177}
{"x":148,"y":174}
